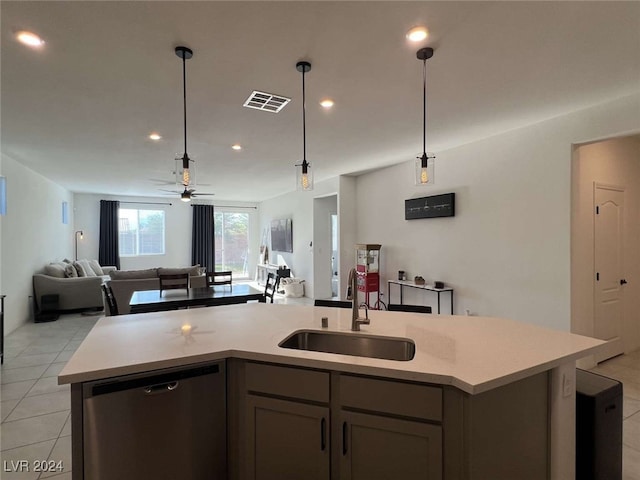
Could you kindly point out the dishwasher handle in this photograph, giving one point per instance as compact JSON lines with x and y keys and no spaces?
{"x":161,"y":388}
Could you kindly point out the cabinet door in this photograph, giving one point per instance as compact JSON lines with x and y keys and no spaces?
{"x":287,"y":440}
{"x":381,"y":448}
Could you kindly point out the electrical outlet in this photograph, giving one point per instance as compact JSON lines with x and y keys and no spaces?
{"x":567,"y":386}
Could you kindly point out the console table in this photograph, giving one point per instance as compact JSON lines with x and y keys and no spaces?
{"x":2,"y":328}
{"x":263,"y":269}
{"x":405,"y":283}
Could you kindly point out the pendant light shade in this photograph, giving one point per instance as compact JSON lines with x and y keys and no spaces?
{"x":304,"y":174}
{"x":425,"y":163}
{"x":184,"y":165}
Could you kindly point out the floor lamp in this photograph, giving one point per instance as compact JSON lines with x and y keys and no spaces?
{"x":81,"y":237}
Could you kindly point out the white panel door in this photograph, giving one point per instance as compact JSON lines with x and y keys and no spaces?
{"x":609,"y":274}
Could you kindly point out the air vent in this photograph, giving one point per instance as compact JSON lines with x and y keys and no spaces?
{"x":266,"y":101}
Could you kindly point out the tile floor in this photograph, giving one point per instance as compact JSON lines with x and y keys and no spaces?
{"x":36,"y":416}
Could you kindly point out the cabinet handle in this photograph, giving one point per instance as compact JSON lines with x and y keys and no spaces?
{"x":323,"y":434}
{"x":344,"y":438}
{"x":161,"y":388}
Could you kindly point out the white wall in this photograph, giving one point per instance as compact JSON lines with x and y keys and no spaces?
{"x":298,"y":206}
{"x":612,"y":162}
{"x":507,"y":251}
{"x":178,"y":223}
{"x":33,"y":235}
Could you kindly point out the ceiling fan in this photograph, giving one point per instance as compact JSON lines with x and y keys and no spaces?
{"x":186,"y":178}
{"x":187,"y":194}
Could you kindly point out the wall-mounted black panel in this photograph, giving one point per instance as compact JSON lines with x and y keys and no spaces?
{"x":430,"y":207}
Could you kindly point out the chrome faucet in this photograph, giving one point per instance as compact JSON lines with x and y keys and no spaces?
{"x":352,"y":294}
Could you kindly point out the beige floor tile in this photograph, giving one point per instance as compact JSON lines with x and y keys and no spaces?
{"x":7,"y":406}
{"x":630,"y":464}
{"x":54,"y":370}
{"x":64,"y":356}
{"x":47,"y":385}
{"x":41,"y":405}
{"x":32,"y":430}
{"x":61,"y":455}
{"x":29,"y":360}
{"x":631,"y":432}
{"x":11,"y":351}
{"x":66,"y":430}
{"x":47,"y":348}
{"x":28,"y":454}
{"x":21,"y":374}
{"x":630,"y":406}
{"x":16,"y":390}
{"x":63,"y":476}
{"x":73,"y":345}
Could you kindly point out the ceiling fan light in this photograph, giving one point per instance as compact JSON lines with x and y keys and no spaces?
{"x":185,"y":196}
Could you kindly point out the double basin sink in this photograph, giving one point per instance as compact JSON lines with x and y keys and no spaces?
{"x":388,"y":348}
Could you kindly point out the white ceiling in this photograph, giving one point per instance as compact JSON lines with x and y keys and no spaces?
{"x":79,"y":110}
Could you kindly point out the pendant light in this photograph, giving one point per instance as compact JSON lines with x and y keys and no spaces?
{"x":425,"y":164}
{"x":184,"y":175}
{"x":304,"y":175}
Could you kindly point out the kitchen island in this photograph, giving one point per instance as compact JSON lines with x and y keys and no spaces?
{"x":477,"y":392}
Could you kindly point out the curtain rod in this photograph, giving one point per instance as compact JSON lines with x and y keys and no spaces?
{"x":150,"y":203}
{"x":224,"y":206}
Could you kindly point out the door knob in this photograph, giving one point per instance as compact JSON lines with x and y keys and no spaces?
{"x":623,"y":282}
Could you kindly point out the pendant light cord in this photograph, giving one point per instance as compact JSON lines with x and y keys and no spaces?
{"x":424,"y":106}
{"x":304,"y":121}
{"x":184,"y":98}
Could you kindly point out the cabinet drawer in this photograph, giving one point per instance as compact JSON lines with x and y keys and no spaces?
{"x":387,"y":396}
{"x":287,"y":382}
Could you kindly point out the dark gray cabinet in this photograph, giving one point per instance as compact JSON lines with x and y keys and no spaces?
{"x":287,"y":440}
{"x":376,"y":447}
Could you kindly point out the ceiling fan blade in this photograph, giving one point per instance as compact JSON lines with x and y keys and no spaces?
{"x":201,"y":194}
{"x":169,"y":191}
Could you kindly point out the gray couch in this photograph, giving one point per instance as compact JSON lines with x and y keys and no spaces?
{"x":75,"y":293}
{"x":124,"y":283}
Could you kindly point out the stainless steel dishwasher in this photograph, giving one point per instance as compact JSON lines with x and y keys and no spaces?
{"x":169,"y":424}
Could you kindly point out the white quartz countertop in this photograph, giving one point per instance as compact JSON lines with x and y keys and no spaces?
{"x":474,"y":354}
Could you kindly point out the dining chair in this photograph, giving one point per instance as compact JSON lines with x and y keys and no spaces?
{"x":271,"y":286}
{"x":174,"y":281}
{"x":220,"y":278}
{"x":110,"y":300}
{"x":332,"y":303}
{"x":396,"y":307}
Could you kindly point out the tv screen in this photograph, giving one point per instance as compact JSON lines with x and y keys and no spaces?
{"x":281,"y":235}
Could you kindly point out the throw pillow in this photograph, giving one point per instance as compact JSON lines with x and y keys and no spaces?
{"x":87,"y":268}
{"x":83,"y":268}
{"x":54,"y":270}
{"x":95,"y":266}
{"x":70,"y":271}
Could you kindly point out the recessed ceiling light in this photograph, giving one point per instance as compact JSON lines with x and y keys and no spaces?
{"x":236,"y":146}
{"x":326,"y":103}
{"x":155,"y":136}
{"x":29,"y":38}
{"x":417,"y":34}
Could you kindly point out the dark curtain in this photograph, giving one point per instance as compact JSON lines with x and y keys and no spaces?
{"x":203,"y":240}
{"x":108,"y":251}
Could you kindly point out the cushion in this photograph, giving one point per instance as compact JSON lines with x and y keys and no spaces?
{"x":54,"y":270}
{"x":133,"y":274}
{"x":70,"y":271}
{"x":193,"y":271}
{"x":84,"y":269}
{"x":95,"y":266}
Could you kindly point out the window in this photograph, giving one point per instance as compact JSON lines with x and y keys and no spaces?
{"x":232,"y":242}
{"x":141,"y":232}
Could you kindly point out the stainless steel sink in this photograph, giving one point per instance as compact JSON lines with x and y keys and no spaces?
{"x":388,"y":348}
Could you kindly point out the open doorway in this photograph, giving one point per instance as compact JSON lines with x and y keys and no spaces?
{"x":325,"y":247}
{"x":605,"y":257}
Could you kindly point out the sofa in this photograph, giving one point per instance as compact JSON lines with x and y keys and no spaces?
{"x":124,"y":282}
{"x":73,"y":292}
